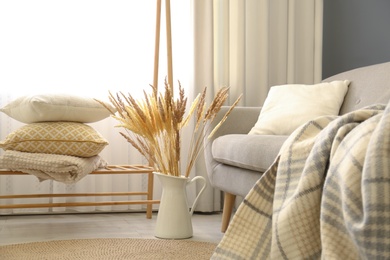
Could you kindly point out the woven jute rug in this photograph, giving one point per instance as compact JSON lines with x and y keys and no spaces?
{"x":109,"y":248}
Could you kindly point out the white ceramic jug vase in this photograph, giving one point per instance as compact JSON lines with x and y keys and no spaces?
{"x":174,"y":214}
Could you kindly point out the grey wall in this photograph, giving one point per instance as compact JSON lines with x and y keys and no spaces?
{"x":356,"y":33}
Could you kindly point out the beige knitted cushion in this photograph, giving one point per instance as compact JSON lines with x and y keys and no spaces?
{"x":66,"y":138}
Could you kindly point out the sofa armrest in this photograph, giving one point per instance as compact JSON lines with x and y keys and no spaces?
{"x":240,"y":121}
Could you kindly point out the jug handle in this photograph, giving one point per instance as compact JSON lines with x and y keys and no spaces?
{"x":200,"y":192}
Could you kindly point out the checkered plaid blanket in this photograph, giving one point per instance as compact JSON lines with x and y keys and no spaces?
{"x":327,"y":196}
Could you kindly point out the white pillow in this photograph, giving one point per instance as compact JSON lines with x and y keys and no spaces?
{"x":289,"y":106}
{"x":56,"y":107}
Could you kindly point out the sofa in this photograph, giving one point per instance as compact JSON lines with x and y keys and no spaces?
{"x":235,"y":160}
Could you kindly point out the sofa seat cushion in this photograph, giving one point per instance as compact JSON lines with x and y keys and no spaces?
{"x":253,"y":152}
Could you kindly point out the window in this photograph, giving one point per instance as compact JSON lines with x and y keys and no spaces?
{"x":88,"y":46}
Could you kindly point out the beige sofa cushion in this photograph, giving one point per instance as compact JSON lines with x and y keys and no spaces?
{"x":289,"y":106}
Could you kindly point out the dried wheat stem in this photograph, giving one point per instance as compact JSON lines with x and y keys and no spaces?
{"x":154,"y":124}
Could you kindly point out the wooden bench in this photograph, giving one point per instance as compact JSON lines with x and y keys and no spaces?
{"x":112,"y":169}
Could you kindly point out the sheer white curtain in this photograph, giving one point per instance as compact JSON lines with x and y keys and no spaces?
{"x":85,"y":47}
{"x":251,"y":45}
{"x":258,"y":44}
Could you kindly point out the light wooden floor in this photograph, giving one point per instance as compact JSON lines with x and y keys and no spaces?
{"x":31,"y":228}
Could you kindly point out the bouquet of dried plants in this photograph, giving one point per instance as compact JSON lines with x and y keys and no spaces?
{"x":154,"y":125}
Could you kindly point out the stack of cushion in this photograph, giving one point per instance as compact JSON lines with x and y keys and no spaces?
{"x":55,"y":124}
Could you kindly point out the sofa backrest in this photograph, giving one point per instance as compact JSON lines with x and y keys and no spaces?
{"x":369,"y":85}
